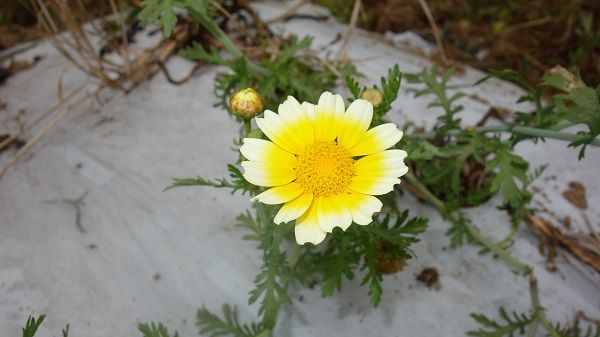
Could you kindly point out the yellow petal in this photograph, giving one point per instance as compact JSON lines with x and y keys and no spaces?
{"x":389,"y":163}
{"x":377,"y":185}
{"x":280,"y":132}
{"x":329,"y":113}
{"x":377,"y":139}
{"x":307,"y":227}
{"x":332,"y":212}
{"x":362,"y":207}
{"x":292,"y":113}
{"x":280,"y":194}
{"x":355,"y":123}
{"x":267,"y":174}
{"x":255,"y":149}
{"x":294,"y":208}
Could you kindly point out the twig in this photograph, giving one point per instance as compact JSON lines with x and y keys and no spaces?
{"x":125,"y":48}
{"x":351,"y":26}
{"x":288,"y":12}
{"x":436,"y":31}
{"x":171,"y":80}
{"x":527,"y":24}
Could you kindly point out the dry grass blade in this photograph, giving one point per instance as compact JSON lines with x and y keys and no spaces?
{"x":351,"y":26}
{"x":436,"y":31}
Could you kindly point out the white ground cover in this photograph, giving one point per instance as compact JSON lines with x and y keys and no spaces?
{"x":148,"y":255}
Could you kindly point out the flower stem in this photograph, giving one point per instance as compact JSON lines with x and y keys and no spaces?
{"x":520,"y":130}
{"x":247,"y":126}
{"x":537,"y":309}
{"x":482,"y":239}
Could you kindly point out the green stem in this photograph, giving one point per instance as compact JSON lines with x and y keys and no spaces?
{"x":537,"y":309}
{"x":483,"y":240}
{"x":247,"y":126}
{"x":521,"y":130}
{"x":210,"y":25}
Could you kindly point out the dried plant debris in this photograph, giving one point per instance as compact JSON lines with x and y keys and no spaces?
{"x":15,"y":66}
{"x":572,"y":243}
{"x":575,"y":194}
{"x":14,"y":143}
{"x":430,"y":277}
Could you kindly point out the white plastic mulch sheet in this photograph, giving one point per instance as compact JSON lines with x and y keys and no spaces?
{"x":147,"y":255}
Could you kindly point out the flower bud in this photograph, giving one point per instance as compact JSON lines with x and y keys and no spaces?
{"x":373,"y":95}
{"x":246,"y":103}
{"x":564,"y":80}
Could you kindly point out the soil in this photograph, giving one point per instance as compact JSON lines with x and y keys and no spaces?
{"x":529,"y":36}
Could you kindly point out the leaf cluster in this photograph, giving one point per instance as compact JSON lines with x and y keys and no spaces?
{"x":437,"y":86}
{"x":514,"y":324}
{"x":275,"y":272}
{"x":579,"y":104}
{"x":32,"y":325}
{"x":163,"y":12}
{"x":361,"y":249}
{"x":574,"y":103}
{"x":287,"y":71}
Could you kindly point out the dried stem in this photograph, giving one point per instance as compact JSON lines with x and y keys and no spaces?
{"x":353,"y":18}
{"x":436,"y":31}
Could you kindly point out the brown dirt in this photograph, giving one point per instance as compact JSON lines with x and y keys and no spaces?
{"x":529,"y":36}
{"x":430,"y":277}
{"x":575,"y":194}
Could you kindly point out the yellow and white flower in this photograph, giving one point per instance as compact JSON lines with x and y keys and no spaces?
{"x":324,"y":164}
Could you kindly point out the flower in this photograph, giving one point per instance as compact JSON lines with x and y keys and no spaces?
{"x":323,"y":164}
{"x":246,"y":103}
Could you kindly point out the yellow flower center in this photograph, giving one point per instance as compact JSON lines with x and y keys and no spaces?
{"x":325,"y":169}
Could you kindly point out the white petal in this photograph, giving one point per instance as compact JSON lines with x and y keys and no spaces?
{"x":293,"y":209}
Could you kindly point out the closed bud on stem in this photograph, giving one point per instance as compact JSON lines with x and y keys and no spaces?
{"x":373,"y":95}
{"x":563,"y":79}
{"x":246,"y":103}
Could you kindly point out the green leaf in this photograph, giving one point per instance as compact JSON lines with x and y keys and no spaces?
{"x":510,"y":169}
{"x":437,"y":86}
{"x":213,"y":326}
{"x":507,"y":327}
{"x":271,"y":282}
{"x":161,"y":10}
{"x":32,"y":325}
{"x":154,"y":330}
{"x":236,"y":183}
